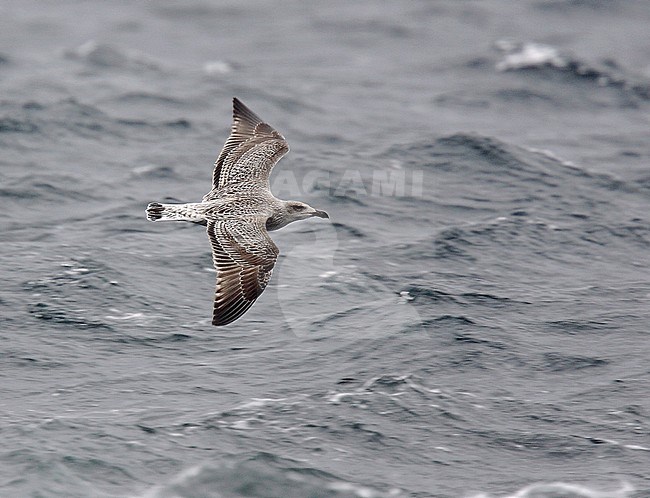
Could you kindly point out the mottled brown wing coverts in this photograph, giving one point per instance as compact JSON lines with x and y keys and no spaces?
{"x":250,"y":152}
{"x":244,"y":256}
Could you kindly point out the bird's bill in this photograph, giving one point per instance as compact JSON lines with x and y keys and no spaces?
{"x":321,"y":214}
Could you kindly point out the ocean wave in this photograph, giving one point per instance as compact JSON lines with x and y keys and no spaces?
{"x":50,"y":119}
{"x":349,"y":230}
{"x":522,"y":181}
{"x":426,"y":295}
{"x":264,"y":475}
{"x":65,"y":315}
{"x":537,"y":56}
{"x":102,"y":55}
{"x":13,"y":125}
{"x":589,"y":6}
{"x":46,"y":188}
{"x":155,"y":172}
{"x":54,"y":120}
{"x":149,"y":98}
{"x":70,"y":296}
{"x":558,"y":362}
{"x":576,"y":326}
{"x":564,"y":490}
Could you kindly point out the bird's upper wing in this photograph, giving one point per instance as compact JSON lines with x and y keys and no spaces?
{"x":244,"y":256}
{"x":250,"y":152}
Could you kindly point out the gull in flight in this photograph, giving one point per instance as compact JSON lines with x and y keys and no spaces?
{"x":239,"y":212}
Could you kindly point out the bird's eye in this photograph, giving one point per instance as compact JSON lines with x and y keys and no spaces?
{"x":300,"y":207}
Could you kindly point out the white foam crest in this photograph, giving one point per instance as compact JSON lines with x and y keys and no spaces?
{"x":528,"y":55}
{"x":362,"y":491}
{"x":209,"y":476}
{"x":564,"y":490}
{"x":212,"y":68}
{"x":551,"y":155}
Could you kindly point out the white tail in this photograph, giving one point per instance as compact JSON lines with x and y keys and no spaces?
{"x":174,"y":212}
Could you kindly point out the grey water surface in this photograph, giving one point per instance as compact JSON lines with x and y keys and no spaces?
{"x":471,"y":322}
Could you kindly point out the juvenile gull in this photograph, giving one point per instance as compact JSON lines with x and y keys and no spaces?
{"x":239,"y":212}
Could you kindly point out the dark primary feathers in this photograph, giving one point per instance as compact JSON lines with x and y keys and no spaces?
{"x":250,"y":152}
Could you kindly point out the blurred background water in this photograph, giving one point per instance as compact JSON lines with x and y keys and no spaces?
{"x":472,"y":322}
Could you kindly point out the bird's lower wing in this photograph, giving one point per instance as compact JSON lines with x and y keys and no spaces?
{"x":244,"y":256}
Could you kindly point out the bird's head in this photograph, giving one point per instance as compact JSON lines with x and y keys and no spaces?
{"x":297,"y":210}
